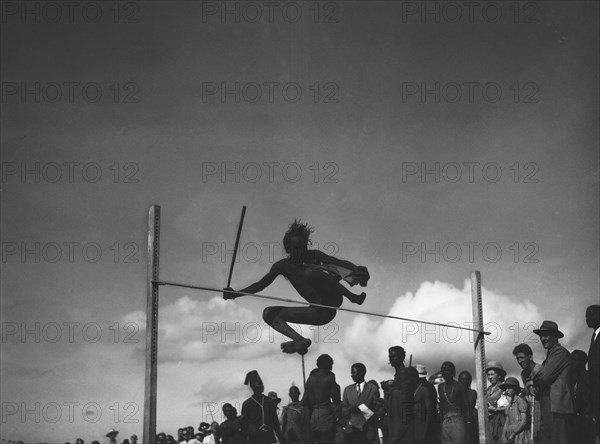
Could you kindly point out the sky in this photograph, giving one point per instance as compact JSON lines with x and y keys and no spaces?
{"x":423,"y":140}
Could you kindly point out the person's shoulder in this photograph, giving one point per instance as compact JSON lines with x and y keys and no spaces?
{"x":277,"y":265}
{"x":521,"y":403}
{"x":560,"y":351}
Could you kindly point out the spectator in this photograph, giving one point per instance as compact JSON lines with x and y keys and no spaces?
{"x":112,"y":436}
{"x":276,"y":400}
{"x":496,"y":403}
{"x":210,"y":435}
{"x":592,"y":319}
{"x":427,"y":429}
{"x":399,"y":401}
{"x":524,"y":357}
{"x":516,"y":426}
{"x":291,"y":419}
{"x":472,"y":420}
{"x":359,"y":404}
{"x":321,"y":401}
{"x":584,"y":427}
{"x":554,"y":384}
{"x":453,"y":406}
{"x":259,"y":413}
{"x":232,"y":430}
{"x":133,"y":439}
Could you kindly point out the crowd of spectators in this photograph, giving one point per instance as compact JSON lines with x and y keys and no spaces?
{"x":555,"y":402}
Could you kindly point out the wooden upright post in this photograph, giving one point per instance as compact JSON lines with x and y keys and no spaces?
{"x":480,"y":362}
{"x":149,"y":436}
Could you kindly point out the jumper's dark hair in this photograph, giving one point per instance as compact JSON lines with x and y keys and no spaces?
{"x":297,"y":228}
{"x":523,"y":348}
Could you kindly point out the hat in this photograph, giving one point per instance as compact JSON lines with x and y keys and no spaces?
{"x":251,"y":376}
{"x":421,"y":370}
{"x":112,"y":433}
{"x":495,"y":365}
{"x":273,"y":396}
{"x":549,"y":328}
{"x":510,"y":383}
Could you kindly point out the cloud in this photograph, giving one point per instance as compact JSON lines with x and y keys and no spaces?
{"x":204,"y":331}
{"x":509,"y":320}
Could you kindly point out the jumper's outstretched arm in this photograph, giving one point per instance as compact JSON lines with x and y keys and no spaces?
{"x":254,"y":288}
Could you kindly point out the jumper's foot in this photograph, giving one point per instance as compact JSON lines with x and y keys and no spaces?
{"x":300,"y":346}
{"x":359,"y":298}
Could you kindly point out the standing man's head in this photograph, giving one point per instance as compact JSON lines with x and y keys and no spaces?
{"x":255,"y":382}
{"x":592,"y":316}
{"x":448,"y":371}
{"x":325,"y":362}
{"x":549,"y":334}
{"x":524,"y":355}
{"x":465,"y":378}
{"x":396,"y":355}
{"x":579,"y":358}
{"x":294,"y":393}
{"x":229,"y":411}
{"x":358,"y":372}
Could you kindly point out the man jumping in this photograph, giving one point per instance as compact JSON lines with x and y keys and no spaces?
{"x":316,"y":277}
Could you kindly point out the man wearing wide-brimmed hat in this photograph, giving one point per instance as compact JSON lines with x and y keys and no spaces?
{"x":555,"y":387}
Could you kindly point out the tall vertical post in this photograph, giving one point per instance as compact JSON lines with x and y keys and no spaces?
{"x":479,"y":357}
{"x":151,"y":326}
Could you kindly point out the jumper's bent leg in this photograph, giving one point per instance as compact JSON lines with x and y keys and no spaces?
{"x":320,"y":287}
{"x":278,"y":318}
{"x":329,"y":284}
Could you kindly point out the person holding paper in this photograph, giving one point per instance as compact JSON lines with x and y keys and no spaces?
{"x":359,"y":402}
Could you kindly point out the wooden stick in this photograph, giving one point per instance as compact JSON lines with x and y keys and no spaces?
{"x":149,"y":430}
{"x":303,"y":372}
{"x":479,"y":350}
{"x":237,"y":243}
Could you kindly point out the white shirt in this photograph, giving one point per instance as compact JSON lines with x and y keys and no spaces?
{"x":361,"y":385}
{"x":209,"y":439}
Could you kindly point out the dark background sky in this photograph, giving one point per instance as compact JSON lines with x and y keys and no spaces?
{"x":335,"y":104}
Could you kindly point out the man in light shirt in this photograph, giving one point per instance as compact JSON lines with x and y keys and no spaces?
{"x":359,"y":402}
